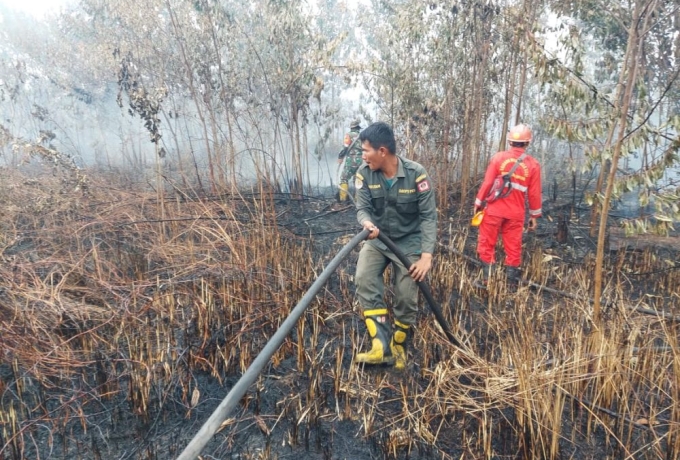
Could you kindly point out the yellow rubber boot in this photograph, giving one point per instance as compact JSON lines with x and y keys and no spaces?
{"x":379,"y":330}
{"x":342,"y":193}
{"x":398,"y":345}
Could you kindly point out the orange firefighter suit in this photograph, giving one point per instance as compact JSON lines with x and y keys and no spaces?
{"x":506,"y":215}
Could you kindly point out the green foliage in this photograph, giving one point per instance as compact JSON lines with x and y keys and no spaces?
{"x":450,"y":75}
{"x":589,"y":100}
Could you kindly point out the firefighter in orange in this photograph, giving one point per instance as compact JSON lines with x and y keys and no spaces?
{"x":511,"y":177}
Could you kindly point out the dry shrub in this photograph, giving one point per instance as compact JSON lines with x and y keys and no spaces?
{"x":532,"y":370}
{"x":108,"y":295}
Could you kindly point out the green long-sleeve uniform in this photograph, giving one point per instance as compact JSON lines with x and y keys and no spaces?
{"x":406,"y":212}
{"x":404,"y":209}
{"x":352,"y":157}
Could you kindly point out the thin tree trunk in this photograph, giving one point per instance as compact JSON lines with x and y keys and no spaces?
{"x":465,"y":152}
{"x":180,"y":163}
{"x":530,"y":10}
{"x":159,"y":193}
{"x":232,"y":150}
{"x":225,"y":101}
{"x":520,"y":94}
{"x":605,"y":164}
{"x":193,"y":155}
{"x":441,"y":173}
{"x":194,"y":94}
{"x":479,"y":107}
{"x":509,"y":90}
{"x":629,"y":75}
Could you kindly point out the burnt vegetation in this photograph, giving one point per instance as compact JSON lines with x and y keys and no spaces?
{"x":166,"y":194}
{"x":122,"y":330}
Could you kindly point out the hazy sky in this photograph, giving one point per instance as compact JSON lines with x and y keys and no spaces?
{"x":37,"y":8}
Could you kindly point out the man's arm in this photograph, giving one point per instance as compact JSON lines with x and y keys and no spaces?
{"x":489,"y":177}
{"x":428,"y":227}
{"x":428,"y":213}
{"x":363,"y":200}
{"x":342,"y":154}
{"x":535,"y":197}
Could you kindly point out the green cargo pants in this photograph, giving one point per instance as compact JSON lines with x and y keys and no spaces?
{"x":370,"y":286}
{"x":349,"y":169}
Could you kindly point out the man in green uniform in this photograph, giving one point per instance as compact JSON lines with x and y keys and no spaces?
{"x":351,"y":155}
{"x":394,"y":196}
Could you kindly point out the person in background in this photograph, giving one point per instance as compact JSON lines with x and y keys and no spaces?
{"x":351,"y":155}
{"x":394,"y":196}
{"x":505,"y":215}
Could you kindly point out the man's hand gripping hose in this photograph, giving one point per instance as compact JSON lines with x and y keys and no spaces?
{"x":424,"y":288}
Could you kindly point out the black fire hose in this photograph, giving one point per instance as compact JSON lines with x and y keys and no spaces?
{"x":424,"y":288}
{"x":210,"y":427}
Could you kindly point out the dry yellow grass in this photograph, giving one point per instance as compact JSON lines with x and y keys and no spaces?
{"x":102,"y":299}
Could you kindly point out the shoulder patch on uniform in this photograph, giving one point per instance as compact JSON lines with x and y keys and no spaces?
{"x":359,"y":176}
{"x":423,"y":186}
{"x":358,"y":183}
{"x":421,"y":177}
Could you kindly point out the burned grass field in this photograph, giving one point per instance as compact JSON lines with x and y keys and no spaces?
{"x":125,"y":319}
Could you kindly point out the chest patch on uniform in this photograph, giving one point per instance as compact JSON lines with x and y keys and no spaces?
{"x":407,"y":191}
{"x":374,"y":186}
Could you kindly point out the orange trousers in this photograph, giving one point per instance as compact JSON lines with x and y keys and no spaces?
{"x":511,"y":233}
